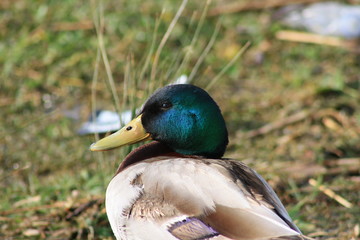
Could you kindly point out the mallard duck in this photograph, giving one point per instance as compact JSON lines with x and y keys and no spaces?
{"x":178,"y":186}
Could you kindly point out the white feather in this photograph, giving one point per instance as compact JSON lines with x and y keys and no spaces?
{"x":186,"y":181}
{"x":146,"y":230}
{"x":120,"y":195}
{"x":194,"y":181}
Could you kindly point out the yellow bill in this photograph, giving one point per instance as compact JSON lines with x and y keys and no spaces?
{"x":131,"y":133}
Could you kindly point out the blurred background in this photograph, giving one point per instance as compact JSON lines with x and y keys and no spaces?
{"x":287,"y":78}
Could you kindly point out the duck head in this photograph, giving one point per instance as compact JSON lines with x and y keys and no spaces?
{"x":183,"y":117}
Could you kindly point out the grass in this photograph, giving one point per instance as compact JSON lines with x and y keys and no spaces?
{"x":53,"y":74}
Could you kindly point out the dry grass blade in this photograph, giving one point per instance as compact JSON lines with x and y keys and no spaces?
{"x":253,"y":5}
{"x":189,"y":49}
{"x":99,"y":26}
{"x":303,"y":37}
{"x":164,"y":40}
{"x":94,"y":83}
{"x":93,"y":88}
{"x":149,"y":56}
{"x":330,"y":193}
{"x":223,"y":71}
{"x":205,"y":52}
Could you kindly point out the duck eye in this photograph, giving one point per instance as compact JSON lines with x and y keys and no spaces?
{"x":165,"y":105}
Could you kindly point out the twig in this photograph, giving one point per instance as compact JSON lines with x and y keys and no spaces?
{"x":278,"y":124}
{"x":330,"y":193}
{"x":310,"y":189}
{"x":344,"y":165}
{"x":296,"y":118}
{"x":60,"y":204}
{"x":345,"y":162}
{"x":35,"y":208}
{"x":82,"y":208}
{"x":304,"y":37}
{"x":253,"y":5}
{"x":300,"y":172}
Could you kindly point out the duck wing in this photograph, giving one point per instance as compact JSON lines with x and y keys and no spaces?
{"x":256,"y":185}
{"x":193,"y":199}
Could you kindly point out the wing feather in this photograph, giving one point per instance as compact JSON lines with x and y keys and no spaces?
{"x":193,"y":199}
{"x":225,"y":199}
{"x":257,"y":186}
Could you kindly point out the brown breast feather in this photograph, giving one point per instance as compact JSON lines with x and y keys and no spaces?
{"x":236,"y":170}
{"x":146,"y":151}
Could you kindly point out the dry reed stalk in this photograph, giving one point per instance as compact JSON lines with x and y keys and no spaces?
{"x":304,"y":37}
{"x":330,"y":193}
{"x":253,"y":5}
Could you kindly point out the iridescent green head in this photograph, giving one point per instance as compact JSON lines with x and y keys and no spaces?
{"x":186,"y":119}
{"x":183,"y":117}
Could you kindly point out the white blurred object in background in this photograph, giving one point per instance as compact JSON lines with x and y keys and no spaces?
{"x":106,"y":121}
{"x":324,"y":18}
